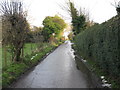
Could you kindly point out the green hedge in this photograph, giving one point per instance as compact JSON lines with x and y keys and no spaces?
{"x":100,"y":43}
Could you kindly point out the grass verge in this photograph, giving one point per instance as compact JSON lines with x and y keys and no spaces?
{"x":15,"y":70}
{"x":28,"y":49}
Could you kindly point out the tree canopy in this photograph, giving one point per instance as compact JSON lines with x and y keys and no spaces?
{"x":52,"y":26}
{"x":80,"y":17}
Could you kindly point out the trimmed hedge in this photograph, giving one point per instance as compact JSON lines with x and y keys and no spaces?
{"x":101,"y":44}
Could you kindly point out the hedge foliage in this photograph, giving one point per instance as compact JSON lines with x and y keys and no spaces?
{"x":101,"y":43}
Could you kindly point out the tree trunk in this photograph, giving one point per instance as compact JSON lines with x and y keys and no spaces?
{"x":22,"y":53}
{"x":5,"y":56}
{"x":17,"y":55}
{"x":31,"y":48}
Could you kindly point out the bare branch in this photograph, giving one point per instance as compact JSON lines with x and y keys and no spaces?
{"x":14,"y":25}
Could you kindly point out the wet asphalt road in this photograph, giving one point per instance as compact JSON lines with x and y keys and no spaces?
{"x":57,"y":70}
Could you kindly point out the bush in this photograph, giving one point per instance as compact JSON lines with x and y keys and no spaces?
{"x":100,"y":43}
{"x":12,"y":72}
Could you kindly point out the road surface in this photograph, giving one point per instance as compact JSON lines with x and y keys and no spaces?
{"x":57,"y":70}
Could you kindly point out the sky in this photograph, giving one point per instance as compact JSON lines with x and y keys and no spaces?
{"x":99,"y":10}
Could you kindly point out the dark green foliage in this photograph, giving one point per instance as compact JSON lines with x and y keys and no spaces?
{"x":100,"y":43}
{"x":73,"y":11}
{"x":118,"y":10}
{"x":78,"y":18}
{"x":34,"y":35}
{"x":29,"y":37}
{"x":12,"y":72}
{"x":78,"y":24}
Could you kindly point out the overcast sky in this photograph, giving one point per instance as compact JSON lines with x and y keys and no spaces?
{"x":100,"y":10}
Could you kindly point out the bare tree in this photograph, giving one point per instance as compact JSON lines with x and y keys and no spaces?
{"x":80,"y":18}
{"x":117,"y":6}
{"x":14,"y":25}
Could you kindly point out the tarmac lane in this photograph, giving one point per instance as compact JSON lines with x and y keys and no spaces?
{"x":57,"y":70}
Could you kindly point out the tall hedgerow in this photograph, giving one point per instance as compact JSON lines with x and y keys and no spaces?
{"x":101,"y":43}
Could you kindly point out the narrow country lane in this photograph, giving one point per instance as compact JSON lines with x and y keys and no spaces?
{"x":58,"y":70}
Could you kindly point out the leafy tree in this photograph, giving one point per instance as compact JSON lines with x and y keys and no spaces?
{"x":37,"y":34}
{"x":52,"y":25}
{"x":78,"y":18}
{"x":78,"y":24}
